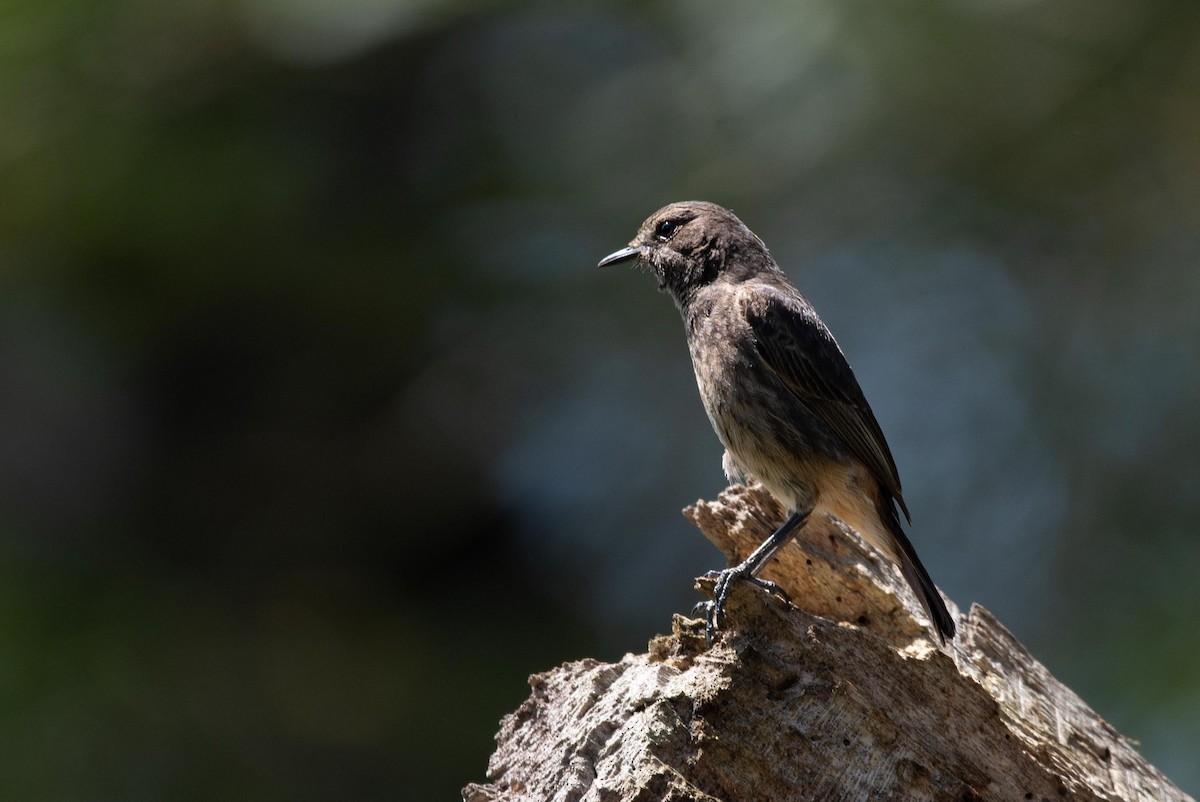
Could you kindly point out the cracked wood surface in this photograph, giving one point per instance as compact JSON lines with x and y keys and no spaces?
{"x":844,"y":696}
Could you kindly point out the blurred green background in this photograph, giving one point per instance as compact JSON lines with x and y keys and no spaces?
{"x":319,"y":431}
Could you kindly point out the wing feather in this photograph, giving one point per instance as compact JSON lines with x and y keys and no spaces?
{"x":794,"y":343}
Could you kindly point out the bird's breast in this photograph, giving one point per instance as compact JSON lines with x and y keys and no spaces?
{"x":768,"y":432}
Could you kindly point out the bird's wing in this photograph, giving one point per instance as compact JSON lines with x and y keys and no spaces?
{"x":794,"y":343}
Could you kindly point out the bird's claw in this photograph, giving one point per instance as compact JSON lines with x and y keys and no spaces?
{"x":714,"y":610}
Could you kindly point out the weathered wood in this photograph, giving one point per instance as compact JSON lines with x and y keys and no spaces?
{"x":842,"y":697}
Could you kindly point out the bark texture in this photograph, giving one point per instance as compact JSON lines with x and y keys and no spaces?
{"x":843,"y":696}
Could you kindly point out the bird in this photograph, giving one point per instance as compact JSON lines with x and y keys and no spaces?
{"x":779,"y":393}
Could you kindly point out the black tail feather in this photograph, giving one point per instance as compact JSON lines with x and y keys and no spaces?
{"x":918,"y":578}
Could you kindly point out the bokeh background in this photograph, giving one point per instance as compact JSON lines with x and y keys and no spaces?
{"x":319,"y":431}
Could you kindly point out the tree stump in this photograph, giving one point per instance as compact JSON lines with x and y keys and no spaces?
{"x":844,"y":696}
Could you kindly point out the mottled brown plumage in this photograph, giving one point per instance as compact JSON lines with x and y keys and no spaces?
{"x":777,"y":388}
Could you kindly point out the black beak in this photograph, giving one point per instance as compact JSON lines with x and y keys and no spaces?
{"x":623,"y":255}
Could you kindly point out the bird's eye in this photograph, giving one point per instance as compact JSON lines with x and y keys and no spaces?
{"x":665,"y":230}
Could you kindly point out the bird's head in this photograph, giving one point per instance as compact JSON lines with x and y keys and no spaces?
{"x":693,"y":243}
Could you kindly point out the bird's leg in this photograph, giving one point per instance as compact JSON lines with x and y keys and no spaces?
{"x":748,"y":570}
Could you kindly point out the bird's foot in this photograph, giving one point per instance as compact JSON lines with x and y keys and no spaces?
{"x":714,"y":610}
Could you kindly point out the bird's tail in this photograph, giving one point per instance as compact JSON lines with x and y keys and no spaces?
{"x":914,"y":572}
{"x":875,"y":518}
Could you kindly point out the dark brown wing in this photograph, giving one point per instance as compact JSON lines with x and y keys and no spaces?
{"x":794,"y":343}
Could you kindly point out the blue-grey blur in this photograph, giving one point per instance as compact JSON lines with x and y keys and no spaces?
{"x":320,"y":431}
